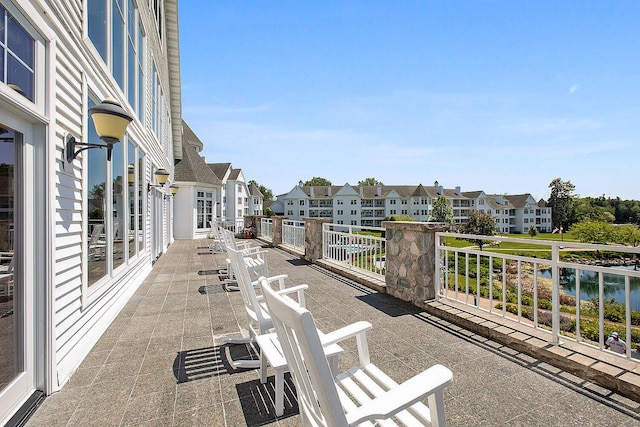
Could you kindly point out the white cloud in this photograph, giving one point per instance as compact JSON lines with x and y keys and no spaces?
{"x":573,"y":89}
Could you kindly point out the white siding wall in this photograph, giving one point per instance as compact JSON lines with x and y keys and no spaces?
{"x":80,"y":322}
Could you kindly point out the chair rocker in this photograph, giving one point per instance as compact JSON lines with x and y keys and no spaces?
{"x":363,"y":395}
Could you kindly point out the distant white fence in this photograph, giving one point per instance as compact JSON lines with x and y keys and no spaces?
{"x":547,"y":286}
{"x":293,"y":234}
{"x":266,"y":229}
{"x":355,"y":247}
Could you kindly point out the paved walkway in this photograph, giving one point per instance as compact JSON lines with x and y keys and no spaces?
{"x":163,"y":361}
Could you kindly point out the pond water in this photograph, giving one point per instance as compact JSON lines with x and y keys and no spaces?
{"x":589,"y":285}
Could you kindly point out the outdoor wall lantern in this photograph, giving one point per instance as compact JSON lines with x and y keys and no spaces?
{"x":161,"y":177}
{"x":131,"y":174}
{"x":110,"y":120}
{"x":173,"y":189}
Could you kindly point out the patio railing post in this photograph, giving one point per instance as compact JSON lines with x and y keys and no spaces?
{"x":313,"y":238}
{"x":277,"y":229}
{"x":411,"y":260}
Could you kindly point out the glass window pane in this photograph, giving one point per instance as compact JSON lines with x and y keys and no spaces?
{"x":131,"y":76}
{"x":20,"y":42}
{"x":2,"y":64}
{"x":141,"y":194}
{"x":131,"y":196}
{"x":96,"y":204}
{"x":97,"y":23}
{"x":118,"y":45}
{"x":20,"y":76}
{"x":118,"y":219}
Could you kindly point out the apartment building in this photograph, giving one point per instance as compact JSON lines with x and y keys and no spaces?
{"x":236,"y":198}
{"x":370,"y":205}
{"x":81,"y":224}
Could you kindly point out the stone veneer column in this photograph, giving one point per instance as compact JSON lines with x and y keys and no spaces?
{"x":313,"y":238}
{"x":252,"y":220}
{"x":276,"y":225}
{"x":410,"y":259}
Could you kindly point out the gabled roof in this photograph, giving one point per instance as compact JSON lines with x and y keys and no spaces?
{"x":542,"y":203}
{"x":518,"y":200}
{"x":420,"y":191}
{"x":255,"y":191}
{"x":472,"y":194}
{"x":189,"y":137}
{"x":193,"y":168}
{"x":220,"y":169}
{"x":235,"y":173}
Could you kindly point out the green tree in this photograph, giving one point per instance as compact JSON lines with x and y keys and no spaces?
{"x":562,"y":202}
{"x":533,"y":231}
{"x":266,"y":192}
{"x":268,"y":212}
{"x":627,"y":235}
{"x":318,"y":181}
{"x":370,"y":181}
{"x":589,"y":231}
{"x":480,"y":224}
{"x":442,"y":211}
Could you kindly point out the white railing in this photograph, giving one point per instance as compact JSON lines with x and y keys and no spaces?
{"x":293,"y":234}
{"x":536,"y":284}
{"x":236,"y":225}
{"x":266,"y":229}
{"x":356,"y":247}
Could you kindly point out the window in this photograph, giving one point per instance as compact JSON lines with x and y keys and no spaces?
{"x":289,"y":202}
{"x":115,"y":31}
{"x":340,"y":202}
{"x":392,"y":202}
{"x":301,"y":212}
{"x":157,"y":7}
{"x":110,"y":208}
{"x":256,"y":200}
{"x":204,"y":209}
{"x":301,"y":202}
{"x":354,"y":201}
{"x":239,"y":213}
{"x":157,"y":105}
{"x":354,"y":212}
{"x":239,"y":188}
{"x":239,"y":201}
{"x":340,"y":222}
{"x":392,"y":212}
{"x":246,"y":200}
{"x":404,"y":201}
{"x":354,"y":222}
{"x":289,"y":213}
{"x":17,"y":55}
{"x":404,"y":212}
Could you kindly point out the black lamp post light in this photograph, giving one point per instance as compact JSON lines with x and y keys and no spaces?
{"x":110,"y":120}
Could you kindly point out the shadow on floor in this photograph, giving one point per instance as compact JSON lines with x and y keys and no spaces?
{"x":257,"y":401}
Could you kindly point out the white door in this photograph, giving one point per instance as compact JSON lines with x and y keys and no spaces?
{"x":18,"y":229}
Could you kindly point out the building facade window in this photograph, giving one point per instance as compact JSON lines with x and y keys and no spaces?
{"x":340,"y":202}
{"x":157,"y":105}
{"x":239,"y":200}
{"x":239,"y":188}
{"x":115,"y":31}
{"x":17,"y":55}
{"x":110,"y":207}
{"x":301,"y":202}
{"x":354,"y":201}
{"x":204,"y":209}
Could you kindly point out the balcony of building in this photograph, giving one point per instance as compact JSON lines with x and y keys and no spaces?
{"x":164,"y":361}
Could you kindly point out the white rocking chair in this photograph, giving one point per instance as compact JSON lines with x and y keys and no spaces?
{"x":363,"y":395}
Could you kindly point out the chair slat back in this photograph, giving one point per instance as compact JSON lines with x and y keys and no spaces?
{"x":257,"y":316}
{"x":317,"y":394}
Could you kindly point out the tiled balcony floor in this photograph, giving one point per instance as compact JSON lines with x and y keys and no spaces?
{"x":163,"y":362}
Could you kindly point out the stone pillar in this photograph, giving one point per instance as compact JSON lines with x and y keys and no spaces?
{"x":410,"y":259}
{"x":313,"y":238}
{"x":252,"y":221}
{"x":277,"y":229}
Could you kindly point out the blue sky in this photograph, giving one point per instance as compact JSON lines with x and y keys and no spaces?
{"x":500,"y":96}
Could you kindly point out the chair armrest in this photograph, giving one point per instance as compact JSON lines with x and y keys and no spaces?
{"x":349,"y":331}
{"x":400,"y":397}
